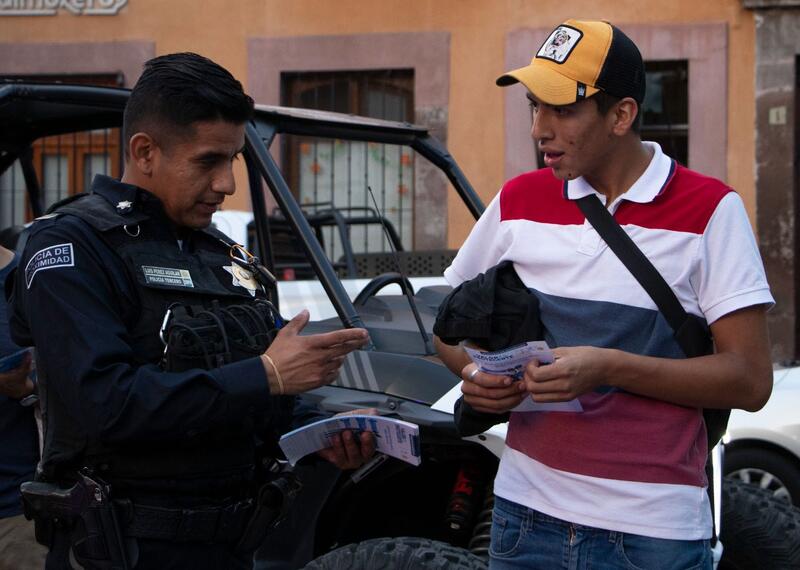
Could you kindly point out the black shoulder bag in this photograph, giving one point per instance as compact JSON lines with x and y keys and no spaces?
{"x":691,"y":332}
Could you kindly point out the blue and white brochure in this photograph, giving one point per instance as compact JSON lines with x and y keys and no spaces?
{"x":14,"y":360}
{"x":397,"y":438}
{"x":511,"y":362}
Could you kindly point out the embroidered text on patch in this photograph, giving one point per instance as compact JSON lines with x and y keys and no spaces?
{"x":167,"y":276}
{"x":49,"y":258}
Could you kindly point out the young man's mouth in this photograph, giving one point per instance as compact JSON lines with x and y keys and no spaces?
{"x":552,"y":158}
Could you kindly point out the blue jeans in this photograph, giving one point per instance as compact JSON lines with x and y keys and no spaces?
{"x":525,"y":538}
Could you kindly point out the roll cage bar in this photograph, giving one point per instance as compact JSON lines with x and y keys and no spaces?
{"x":31,"y":111}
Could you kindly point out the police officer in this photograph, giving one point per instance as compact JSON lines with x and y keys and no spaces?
{"x":91,"y":291}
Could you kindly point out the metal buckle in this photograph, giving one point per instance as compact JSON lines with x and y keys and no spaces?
{"x":244,"y":255}
{"x":163,"y":330}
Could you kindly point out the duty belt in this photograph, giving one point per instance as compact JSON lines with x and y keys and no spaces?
{"x":224,"y":523}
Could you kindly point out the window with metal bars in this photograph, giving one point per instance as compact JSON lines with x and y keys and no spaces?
{"x":64,"y":164}
{"x":325,"y":173}
{"x":665,"y":112}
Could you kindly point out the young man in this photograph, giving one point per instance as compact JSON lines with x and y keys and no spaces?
{"x":93,"y":287}
{"x":621,"y":484}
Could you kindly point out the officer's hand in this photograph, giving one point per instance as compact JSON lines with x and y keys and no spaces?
{"x":348,"y":450}
{"x":16,"y":383}
{"x":489,"y":393}
{"x":575,"y":371}
{"x":308,"y":362}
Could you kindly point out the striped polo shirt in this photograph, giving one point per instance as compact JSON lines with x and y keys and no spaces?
{"x":626,"y":463}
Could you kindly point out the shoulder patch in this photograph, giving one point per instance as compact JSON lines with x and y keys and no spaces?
{"x":49,"y":258}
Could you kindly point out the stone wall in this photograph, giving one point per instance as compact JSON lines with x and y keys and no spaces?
{"x":776,"y":176}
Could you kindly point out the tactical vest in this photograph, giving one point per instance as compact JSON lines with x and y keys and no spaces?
{"x":162,"y":273}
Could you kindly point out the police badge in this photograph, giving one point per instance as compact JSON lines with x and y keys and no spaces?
{"x":242,"y":278}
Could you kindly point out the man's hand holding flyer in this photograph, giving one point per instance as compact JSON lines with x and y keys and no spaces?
{"x":511,"y":362}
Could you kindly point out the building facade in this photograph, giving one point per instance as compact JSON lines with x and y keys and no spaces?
{"x":722,"y":90}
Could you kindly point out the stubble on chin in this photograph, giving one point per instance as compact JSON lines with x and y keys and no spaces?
{"x":565,"y":175}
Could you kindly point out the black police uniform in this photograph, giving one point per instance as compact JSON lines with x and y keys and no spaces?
{"x":91,"y":291}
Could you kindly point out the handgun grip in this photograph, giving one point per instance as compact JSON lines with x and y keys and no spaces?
{"x":46,"y":500}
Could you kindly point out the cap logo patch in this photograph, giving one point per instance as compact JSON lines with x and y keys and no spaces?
{"x":560,"y":44}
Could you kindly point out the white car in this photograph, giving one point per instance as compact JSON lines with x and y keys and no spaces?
{"x":763,"y":448}
{"x":233,"y":223}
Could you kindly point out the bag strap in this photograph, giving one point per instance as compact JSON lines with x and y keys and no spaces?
{"x":632,"y":257}
{"x":665,"y":299}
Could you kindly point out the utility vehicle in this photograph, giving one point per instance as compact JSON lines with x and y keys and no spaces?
{"x":387,"y":514}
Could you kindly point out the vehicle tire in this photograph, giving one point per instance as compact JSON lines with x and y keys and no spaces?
{"x":402,"y":553}
{"x":766,"y":469}
{"x":758,"y":530}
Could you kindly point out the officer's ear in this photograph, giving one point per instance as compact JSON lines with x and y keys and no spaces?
{"x":141,"y":149}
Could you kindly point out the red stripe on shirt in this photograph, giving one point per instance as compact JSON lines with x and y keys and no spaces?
{"x":689,"y":199}
{"x":618,"y":436}
{"x":538,"y":196}
{"x":685,"y":205}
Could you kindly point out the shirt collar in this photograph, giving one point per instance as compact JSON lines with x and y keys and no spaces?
{"x":649,"y":185}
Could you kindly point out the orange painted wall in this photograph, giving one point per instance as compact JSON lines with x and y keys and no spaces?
{"x":219,"y":29}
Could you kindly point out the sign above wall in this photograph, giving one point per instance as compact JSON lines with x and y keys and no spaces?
{"x":53,"y":7}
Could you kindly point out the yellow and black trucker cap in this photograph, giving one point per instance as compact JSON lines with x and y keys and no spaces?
{"x":580,"y":58}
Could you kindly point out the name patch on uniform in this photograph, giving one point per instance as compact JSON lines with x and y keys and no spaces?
{"x":167,"y":276}
{"x":49,"y":258}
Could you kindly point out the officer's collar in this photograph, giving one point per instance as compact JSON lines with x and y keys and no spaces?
{"x":137,"y":204}
{"x":125,"y":198}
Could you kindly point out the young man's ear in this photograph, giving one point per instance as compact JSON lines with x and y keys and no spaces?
{"x":626,"y":113}
{"x":141,"y":150}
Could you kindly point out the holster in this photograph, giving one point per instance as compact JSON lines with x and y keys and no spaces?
{"x":273,"y":502}
{"x":85,"y":511}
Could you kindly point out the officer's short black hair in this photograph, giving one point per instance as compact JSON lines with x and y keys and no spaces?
{"x":604,"y":103}
{"x":179,"y":89}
